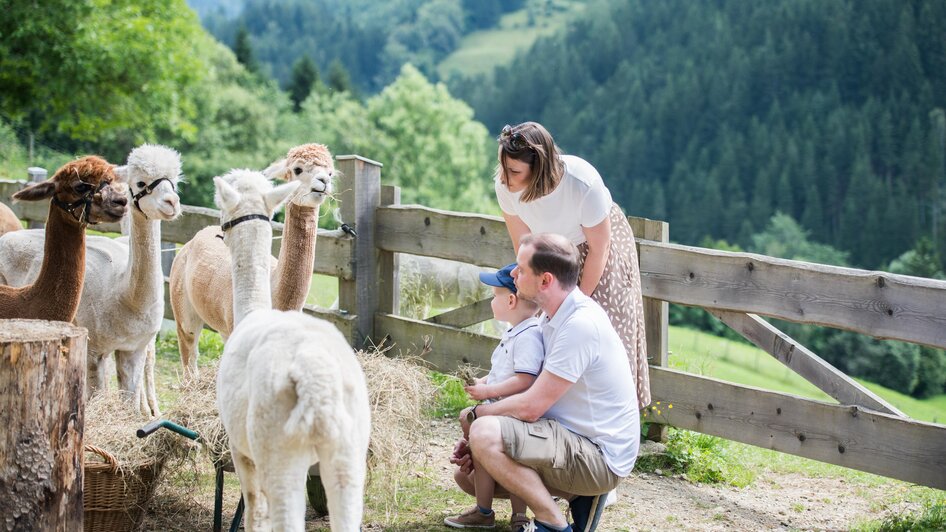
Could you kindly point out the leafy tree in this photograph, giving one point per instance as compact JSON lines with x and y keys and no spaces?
{"x":784,"y":238}
{"x":305,"y":76}
{"x":431,"y":145}
{"x":921,"y":261}
{"x":106,"y":73}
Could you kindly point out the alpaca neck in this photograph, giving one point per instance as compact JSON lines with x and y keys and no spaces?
{"x":250,"y":267}
{"x":143,"y":280}
{"x":296,"y":258}
{"x":63,"y":271}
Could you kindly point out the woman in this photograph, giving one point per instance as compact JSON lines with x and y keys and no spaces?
{"x":541,"y":190}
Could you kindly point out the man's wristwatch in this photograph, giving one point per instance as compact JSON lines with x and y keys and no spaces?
{"x":471,"y":415}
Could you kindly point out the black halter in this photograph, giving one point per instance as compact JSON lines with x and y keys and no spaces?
{"x":242,"y":219}
{"x":85,"y":201}
{"x":148,"y":189}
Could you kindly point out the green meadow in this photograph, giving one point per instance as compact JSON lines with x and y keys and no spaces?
{"x":481,"y":51}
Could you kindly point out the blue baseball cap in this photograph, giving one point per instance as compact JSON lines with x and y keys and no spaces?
{"x":501,"y":278}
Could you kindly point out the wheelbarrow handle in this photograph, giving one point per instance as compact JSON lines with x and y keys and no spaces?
{"x":170,"y":425}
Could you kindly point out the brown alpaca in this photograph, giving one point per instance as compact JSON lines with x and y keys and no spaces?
{"x":84,"y":191}
{"x":8,"y":220}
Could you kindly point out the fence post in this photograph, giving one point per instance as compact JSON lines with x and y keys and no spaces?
{"x":389,"y":300}
{"x":168,"y":250}
{"x":656,"y":318}
{"x":359,"y":197}
{"x":36,"y":175}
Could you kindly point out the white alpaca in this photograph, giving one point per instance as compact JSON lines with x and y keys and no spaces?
{"x":289,"y":389}
{"x":200,"y":281}
{"x":122,"y":301}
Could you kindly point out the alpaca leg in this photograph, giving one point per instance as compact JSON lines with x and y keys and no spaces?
{"x":96,"y":373}
{"x":188,"y":321}
{"x":284,"y":488}
{"x":257,"y":513}
{"x":131,"y":369}
{"x":343,"y":475}
{"x":189,"y":325}
{"x":149,"y":397}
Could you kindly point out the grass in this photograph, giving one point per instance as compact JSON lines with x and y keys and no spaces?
{"x":705,"y":354}
{"x":931,"y":516}
{"x":481,"y":51}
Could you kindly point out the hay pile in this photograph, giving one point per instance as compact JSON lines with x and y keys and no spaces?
{"x":399,"y":391}
{"x":196,"y":409}
{"x":110,"y":424}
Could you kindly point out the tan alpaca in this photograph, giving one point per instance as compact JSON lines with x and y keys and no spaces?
{"x":8,"y":220}
{"x":83,"y":192}
{"x":201,"y":287}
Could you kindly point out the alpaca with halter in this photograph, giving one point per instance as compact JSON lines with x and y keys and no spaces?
{"x":82,"y":192}
{"x":8,"y":220}
{"x":200,"y":280}
{"x":290,"y":390}
{"x":122,"y":303}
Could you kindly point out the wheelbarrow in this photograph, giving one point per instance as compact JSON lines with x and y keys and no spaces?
{"x":314,"y":488}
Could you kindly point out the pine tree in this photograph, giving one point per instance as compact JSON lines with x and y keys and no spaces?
{"x":305,"y":77}
{"x":338,"y":78}
{"x":244,"y":49}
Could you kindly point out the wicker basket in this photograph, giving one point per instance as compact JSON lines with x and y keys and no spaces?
{"x":115,"y":499}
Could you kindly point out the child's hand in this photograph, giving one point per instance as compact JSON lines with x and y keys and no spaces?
{"x":481,"y":380}
{"x":461,"y":456}
{"x":477,"y":392}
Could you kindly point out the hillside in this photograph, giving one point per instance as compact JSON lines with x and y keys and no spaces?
{"x":716,"y":115}
{"x":482,"y":51}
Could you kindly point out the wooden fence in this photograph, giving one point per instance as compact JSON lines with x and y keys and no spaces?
{"x":860,"y":431}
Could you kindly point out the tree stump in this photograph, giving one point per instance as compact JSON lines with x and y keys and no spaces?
{"x":42,"y":406}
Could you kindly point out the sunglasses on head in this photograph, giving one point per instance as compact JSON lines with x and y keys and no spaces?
{"x":513,"y":140}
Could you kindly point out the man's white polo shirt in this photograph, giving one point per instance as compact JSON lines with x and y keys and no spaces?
{"x":582,"y":347}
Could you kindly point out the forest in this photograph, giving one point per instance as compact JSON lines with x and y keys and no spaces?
{"x":803,"y":129}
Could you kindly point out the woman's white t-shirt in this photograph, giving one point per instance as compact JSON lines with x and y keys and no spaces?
{"x":579,"y":200}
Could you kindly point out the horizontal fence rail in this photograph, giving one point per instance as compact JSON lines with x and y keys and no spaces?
{"x":879,"y":304}
{"x":843,"y":435}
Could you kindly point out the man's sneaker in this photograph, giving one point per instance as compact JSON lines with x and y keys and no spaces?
{"x":472,"y":518}
{"x":586,"y":511}
{"x":519,"y":522}
{"x":535,"y":526}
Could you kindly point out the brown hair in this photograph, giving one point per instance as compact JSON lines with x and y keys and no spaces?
{"x":554,"y":254}
{"x":532,"y":144}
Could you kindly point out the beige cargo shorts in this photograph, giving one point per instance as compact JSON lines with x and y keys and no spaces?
{"x":565,"y":461}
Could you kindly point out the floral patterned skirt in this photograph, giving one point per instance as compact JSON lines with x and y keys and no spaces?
{"x":619,"y":293}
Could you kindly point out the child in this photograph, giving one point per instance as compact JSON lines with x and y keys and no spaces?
{"x":514,"y":366}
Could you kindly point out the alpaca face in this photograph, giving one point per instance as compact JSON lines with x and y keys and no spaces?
{"x":87,"y":188}
{"x":316,"y":185}
{"x":152,"y":174}
{"x":245,"y":193}
{"x":310,"y":164}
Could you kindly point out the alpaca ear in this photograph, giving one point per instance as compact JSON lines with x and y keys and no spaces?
{"x":276,"y":196}
{"x":121,"y":172}
{"x":277,"y":170}
{"x":39,"y":191}
{"x":226,"y":197}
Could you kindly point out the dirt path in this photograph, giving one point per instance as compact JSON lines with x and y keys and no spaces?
{"x":646,"y":501}
{"x":772,"y":502}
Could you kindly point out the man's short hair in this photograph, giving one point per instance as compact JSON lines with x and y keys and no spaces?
{"x":554,"y":254}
